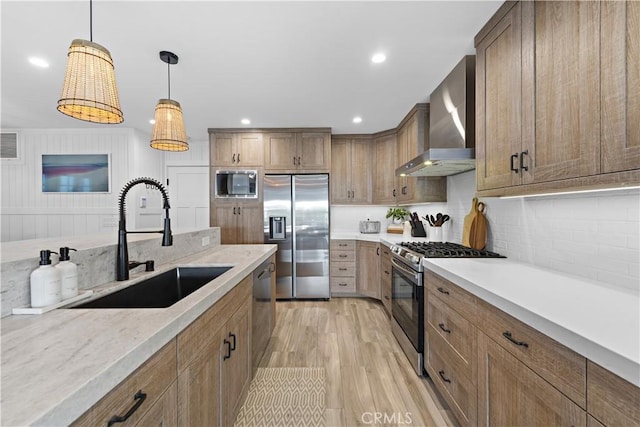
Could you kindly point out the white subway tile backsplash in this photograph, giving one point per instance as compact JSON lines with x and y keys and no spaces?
{"x":592,"y":235}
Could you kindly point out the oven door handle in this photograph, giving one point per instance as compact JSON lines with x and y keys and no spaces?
{"x":406,"y":271}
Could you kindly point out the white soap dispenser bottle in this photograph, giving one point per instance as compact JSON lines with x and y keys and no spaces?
{"x":45,"y":282}
{"x":68,"y":274}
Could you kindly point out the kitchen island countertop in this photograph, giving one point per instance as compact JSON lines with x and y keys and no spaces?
{"x":57,"y":365}
{"x":598,"y":321}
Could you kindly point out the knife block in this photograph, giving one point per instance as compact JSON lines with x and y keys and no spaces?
{"x":417,"y":230}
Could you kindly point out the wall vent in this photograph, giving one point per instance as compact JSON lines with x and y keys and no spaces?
{"x":9,"y":145}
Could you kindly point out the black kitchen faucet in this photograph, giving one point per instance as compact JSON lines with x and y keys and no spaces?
{"x":122,"y":256}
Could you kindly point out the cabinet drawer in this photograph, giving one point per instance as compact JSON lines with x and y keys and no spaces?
{"x":456,"y":331}
{"x":343,"y":285}
{"x":343,"y":255}
{"x":611,"y":399}
{"x":343,"y":269}
{"x":445,"y":367}
{"x":152,"y":378}
{"x":343,"y":245}
{"x":464,"y":303}
{"x":560,"y":366}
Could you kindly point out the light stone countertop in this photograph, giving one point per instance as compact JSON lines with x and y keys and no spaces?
{"x":387,"y":238}
{"x":600,"y":322}
{"x":57,"y":365}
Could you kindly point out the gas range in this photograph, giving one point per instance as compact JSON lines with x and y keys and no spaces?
{"x":413,"y":252}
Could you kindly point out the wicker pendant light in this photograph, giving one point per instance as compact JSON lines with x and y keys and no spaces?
{"x":168,"y":130}
{"x":90,"y":92}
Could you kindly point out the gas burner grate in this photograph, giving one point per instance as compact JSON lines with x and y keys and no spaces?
{"x":447,"y":250}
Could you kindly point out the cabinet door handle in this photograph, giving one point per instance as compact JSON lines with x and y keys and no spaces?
{"x":299,"y":161}
{"x":522,"y":165}
{"x":233,"y":158}
{"x":445,"y":379}
{"x":507,"y":335}
{"x":513,"y":166}
{"x":228,"y":355}
{"x":386,"y":297}
{"x":234,"y":210}
{"x":443,"y":291}
{"x":386,"y":272}
{"x":394,"y":192}
{"x":444,"y":328}
{"x":139,"y":398}
{"x":404,"y":190}
{"x":238,"y":157}
{"x":239,"y":210}
{"x":233,"y":337}
{"x":378,"y":251}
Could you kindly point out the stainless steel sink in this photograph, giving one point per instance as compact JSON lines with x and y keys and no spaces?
{"x":159,"y":291}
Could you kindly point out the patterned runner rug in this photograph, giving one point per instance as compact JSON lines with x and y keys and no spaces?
{"x":284,"y":397}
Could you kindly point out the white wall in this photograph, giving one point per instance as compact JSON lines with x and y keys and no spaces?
{"x":592,"y":235}
{"x":27,"y":213}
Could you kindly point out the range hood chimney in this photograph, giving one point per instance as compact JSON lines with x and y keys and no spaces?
{"x":451,"y":146}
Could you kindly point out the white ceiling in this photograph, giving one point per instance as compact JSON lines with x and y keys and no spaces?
{"x":281,"y":64}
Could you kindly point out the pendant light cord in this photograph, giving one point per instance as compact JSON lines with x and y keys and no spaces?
{"x":90,"y":20}
{"x":169,"y":77}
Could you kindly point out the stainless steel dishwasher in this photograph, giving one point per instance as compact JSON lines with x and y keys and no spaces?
{"x":262,"y":312}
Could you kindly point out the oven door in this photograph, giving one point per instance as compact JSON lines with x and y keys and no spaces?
{"x":407,"y":302}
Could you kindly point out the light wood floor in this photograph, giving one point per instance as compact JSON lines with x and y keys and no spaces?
{"x":367,"y":372}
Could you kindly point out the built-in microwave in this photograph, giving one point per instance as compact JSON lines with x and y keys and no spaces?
{"x":237,"y":183}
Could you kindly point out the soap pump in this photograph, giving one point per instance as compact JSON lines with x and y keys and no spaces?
{"x":45,"y":282}
{"x":68,"y":274}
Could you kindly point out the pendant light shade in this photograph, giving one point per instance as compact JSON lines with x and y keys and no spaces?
{"x":90,"y":92}
{"x":168,"y":132}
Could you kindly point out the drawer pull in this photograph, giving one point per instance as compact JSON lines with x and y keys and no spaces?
{"x":139,"y":398}
{"x":343,"y":256}
{"x":441,"y":290}
{"x":386,"y":272}
{"x":233,"y":336}
{"x":342,"y":244}
{"x":445,"y":379}
{"x":342,"y":284}
{"x":342,"y":269}
{"x":508,"y":336}
{"x":386,"y":297}
{"x":228,"y":355}
{"x":444,"y":328}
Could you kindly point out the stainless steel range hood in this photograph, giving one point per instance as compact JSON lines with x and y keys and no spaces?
{"x":451,"y":145}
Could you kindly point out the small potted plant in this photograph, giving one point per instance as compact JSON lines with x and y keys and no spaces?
{"x":397,"y":214}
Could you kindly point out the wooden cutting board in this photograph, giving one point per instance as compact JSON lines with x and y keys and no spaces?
{"x":474,"y":231}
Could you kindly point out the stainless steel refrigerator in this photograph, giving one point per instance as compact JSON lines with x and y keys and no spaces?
{"x":296,"y":218}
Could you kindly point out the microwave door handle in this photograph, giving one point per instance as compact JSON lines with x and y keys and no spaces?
{"x":406,"y":271}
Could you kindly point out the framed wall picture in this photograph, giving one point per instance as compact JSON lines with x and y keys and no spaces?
{"x":76,"y":173}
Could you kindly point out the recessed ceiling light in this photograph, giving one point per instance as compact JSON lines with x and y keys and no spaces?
{"x":152,"y":121}
{"x":39,"y":62}
{"x":378,"y":58}
{"x":245,"y":121}
{"x":357,"y":120}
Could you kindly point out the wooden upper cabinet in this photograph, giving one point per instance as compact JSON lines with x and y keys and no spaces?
{"x":498,"y":101}
{"x":236,"y":149}
{"x":566,"y":89}
{"x":281,"y":150}
{"x":305,"y":151}
{"x":350,"y":170}
{"x":314,"y":151}
{"x":384,"y":158}
{"x":620,"y":74}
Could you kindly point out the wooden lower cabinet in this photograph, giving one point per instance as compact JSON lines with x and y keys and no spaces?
{"x":235,"y":364}
{"x":367,"y":266}
{"x":385,"y":277}
{"x":610,"y":399}
{"x":511,"y":394}
{"x":239,"y":222}
{"x":215,"y":368}
{"x":155,"y":379}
